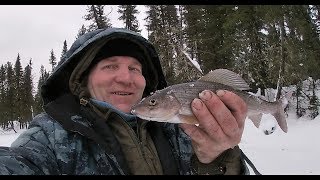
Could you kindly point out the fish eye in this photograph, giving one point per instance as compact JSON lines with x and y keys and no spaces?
{"x":152,"y":102}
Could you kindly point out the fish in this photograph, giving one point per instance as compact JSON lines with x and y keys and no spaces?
{"x":173,"y":103}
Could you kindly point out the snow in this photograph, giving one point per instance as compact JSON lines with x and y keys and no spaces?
{"x":293,"y":153}
{"x":7,"y":137}
{"x":194,"y":62}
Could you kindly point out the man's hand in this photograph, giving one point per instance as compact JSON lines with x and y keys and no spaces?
{"x":221,"y":119}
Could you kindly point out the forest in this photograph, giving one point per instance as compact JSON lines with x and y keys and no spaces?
{"x":270,"y":46}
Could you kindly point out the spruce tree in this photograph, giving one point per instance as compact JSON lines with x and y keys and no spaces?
{"x":81,"y":31}
{"x":11,"y":113}
{"x":3,"y":108}
{"x":52,"y":60}
{"x":38,"y":102}
{"x":18,"y":79}
{"x":157,"y":35}
{"x":64,"y":49}
{"x":97,"y":17}
{"x":27,"y":97}
{"x":194,"y":28}
{"x":128,"y":16}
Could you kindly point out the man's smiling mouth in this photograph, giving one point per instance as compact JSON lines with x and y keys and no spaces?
{"x":122,"y":93}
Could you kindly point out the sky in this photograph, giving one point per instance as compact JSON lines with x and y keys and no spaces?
{"x":34,"y":30}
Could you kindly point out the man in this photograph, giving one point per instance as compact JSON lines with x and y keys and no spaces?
{"x":87,"y":128}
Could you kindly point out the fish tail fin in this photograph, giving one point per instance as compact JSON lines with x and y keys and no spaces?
{"x":256,"y":119}
{"x":279,"y":115}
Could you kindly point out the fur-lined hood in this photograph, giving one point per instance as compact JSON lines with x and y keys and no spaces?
{"x":66,"y":77}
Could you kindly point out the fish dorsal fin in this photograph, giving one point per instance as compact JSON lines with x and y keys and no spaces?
{"x":226,"y":77}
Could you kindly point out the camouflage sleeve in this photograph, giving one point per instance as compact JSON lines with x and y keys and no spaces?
{"x":228,"y":163}
{"x":29,"y":154}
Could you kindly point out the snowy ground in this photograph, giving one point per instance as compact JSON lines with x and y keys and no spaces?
{"x":7,"y":137}
{"x":295,"y":152}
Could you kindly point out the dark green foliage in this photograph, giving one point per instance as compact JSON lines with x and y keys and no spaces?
{"x":52,"y":60}
{"x":3,"y":96}
{"x":27,"y":97}
{"x":128,"y":16}
{"x":300,"y":110}
{"x":97,"y":17}
{"x":17,"y":104}
{"x":16,"y":97}
{"x":314,"y":102}
{"x":164,"y":25}
{"x":11,"y":113}
{"x":81,"y":31}
{"x":64,"y":49}
{"x":37,"y":107}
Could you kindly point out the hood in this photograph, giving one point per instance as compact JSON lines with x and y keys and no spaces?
{"x":66,"y":78}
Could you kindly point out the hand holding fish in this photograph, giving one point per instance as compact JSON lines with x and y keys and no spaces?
{"x":221,"y":120}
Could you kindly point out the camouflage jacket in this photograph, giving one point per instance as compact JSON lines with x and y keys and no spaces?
{"x":78,"y":145}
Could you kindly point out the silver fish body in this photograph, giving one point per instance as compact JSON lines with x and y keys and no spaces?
{"x":172,"y":104}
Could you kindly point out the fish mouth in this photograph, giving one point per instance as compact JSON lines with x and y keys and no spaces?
{"x":163,"y":118}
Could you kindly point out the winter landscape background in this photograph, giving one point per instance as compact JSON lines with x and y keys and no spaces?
{"x":293,"y":153}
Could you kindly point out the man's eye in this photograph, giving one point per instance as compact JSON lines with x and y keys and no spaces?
{"x":109,"y":67}
{"x":135,"y":69}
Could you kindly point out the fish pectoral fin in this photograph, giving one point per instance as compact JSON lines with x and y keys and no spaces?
{"x":188,"y":119}
{"x":256,"y":119}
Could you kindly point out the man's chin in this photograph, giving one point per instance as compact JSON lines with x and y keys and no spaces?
{"x":124,"y":107}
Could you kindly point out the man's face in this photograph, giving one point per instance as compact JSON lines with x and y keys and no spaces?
{"x":117,"y":80}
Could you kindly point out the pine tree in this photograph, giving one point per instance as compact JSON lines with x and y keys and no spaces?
{"x":290,"y":44}
{"x":257,"y":63}
{"x":205,"y":36}
{"x":11,"y":112}
{"x":213,"y":56}
{"x":38,"y":102}
{"x":3,"y":108}
{"x":156,"y":29}
{"x":169,"y":20}
{"x":236,"y":27}
{"x":64,"y":49}
{"x":96,"y":15}
{"x":81,"y":31}
{"x":194,"y":28}
{"x":277,"y":46}
{"x":127,"y":13}
{"x":311,"y":44}
{"x":27,"y":97}
{"x":169,"y":40}
{"x":311,"y":40}
{"x":18,"y":78}
{"x":52,"y":60}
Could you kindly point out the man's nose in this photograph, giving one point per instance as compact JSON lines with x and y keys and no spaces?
{"x":123,"y":76}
